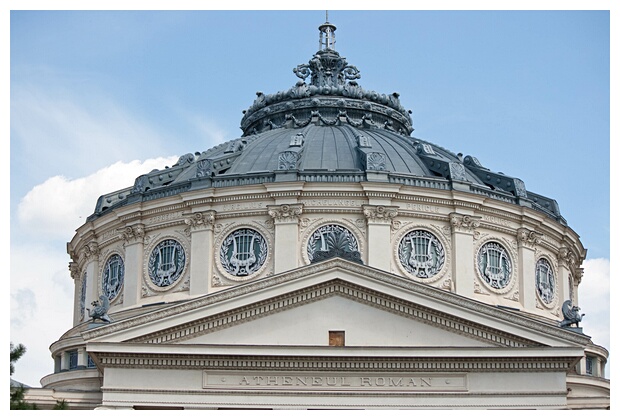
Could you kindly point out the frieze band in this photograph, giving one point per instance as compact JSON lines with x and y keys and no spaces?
{"x":340,"y":381}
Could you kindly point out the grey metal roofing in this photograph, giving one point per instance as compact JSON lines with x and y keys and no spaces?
{"x":329,"y":130}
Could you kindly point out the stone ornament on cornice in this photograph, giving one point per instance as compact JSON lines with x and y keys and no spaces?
{"x":285,"y":213}
{"x":464,"y":223}
{"x":528,"y":238}
{"x":567,"y":257}
{"x":380,"y":214}
{"x":200,"y":220}
{"x":578,"y":275}
{"x":90,"y":250}
{"x":133,"y":234}
{"x":74,"y":270}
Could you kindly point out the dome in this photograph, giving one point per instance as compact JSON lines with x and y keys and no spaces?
{"x":239,"y":266}
{"x":328,"y":128}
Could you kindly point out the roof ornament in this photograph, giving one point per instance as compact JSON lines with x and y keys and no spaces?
{"x":326,"y":67}
{"x":100,"y":309}
{"x":327,"y":36}
{"x":571,"y":315}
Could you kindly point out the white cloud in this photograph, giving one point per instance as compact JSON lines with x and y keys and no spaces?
{"x":594,"y":300}
{"x":55,"y":208}
{"x":41,"y":305}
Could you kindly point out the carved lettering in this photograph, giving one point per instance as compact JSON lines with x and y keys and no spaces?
{"x":243,"y":206}
{"x":332,"y":203}
{"x":395,"y":383}
{"x":164,"y":217}
{"x":422,"y":207}
{"x":495,"y":220}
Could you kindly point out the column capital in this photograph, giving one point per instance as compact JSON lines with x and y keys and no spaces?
{"x":464,"y":223}
{"x":285,"y":213}
{"x":380,"y":214}
{"x":133,"y":234}
{"x":74,"y":270}
{"x":566,"y":257}
{"x":90,"y":250}
{"x":528,"y":238}
{"x":200,"y":220}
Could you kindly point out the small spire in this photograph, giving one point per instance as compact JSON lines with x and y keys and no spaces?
{"x":327,"y":37}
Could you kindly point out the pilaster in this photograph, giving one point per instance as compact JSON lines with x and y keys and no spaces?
{"x":527,"y":241}
{"x":133,"y":241}
{"x":379,"y":222}
{"x":463,"y":265}
{"x":90,"y":254}
{"x":566,"y":260}
{"x":74,"y":271}
{"x":286,"y":241}
{"x":82,"y":357}
{"x":200,"y":225}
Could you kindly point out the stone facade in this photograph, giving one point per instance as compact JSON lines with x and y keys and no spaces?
{"x":305,"y":287}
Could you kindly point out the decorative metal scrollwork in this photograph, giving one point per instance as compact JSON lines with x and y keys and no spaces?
{"x":113,"y":276}
{"x":166,"y":263}
{"x":545,"y":281}
{"x":494,"y":265}
{"x":421,"y":254}
{"x":243,"y":252}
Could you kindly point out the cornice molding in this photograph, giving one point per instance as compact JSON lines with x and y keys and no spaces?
{"x":383,"y":364}
{"x":352,"y":268}
{"x":323,"y":291}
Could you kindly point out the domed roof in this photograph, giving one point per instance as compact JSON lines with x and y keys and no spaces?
{"x":328,"y":130}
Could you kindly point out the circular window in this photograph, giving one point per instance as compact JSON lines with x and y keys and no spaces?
{"x":166,"y":263}
{"x":545,"y":281}
{"x":243,"y":252}
{"x":113,"y":276}
{"x":332,"y":240}
{"x":421,"y":254}
{"x":494,"y":265}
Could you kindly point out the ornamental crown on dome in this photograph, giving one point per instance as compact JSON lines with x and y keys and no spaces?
{"x":330,"y":76}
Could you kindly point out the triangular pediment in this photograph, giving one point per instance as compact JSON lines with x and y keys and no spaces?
{"x":300,"y":307}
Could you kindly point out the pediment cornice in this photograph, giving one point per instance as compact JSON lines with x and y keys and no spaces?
{"x":340,"y":273}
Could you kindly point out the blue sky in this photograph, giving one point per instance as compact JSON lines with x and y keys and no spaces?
{"x":98,"y":98}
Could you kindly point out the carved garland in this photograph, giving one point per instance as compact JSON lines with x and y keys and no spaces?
{"x":182,"y":256}
{"x":241,"y":268}
{"x":400,"y":254}
{"x":499,"y":286}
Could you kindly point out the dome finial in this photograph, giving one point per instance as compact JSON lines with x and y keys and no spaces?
{"x":327,"y":37}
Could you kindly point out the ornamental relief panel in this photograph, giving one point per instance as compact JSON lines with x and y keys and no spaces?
{"x":496,"y":266}
{"x":166,"y":263}
{"x":243,"y":252}
{"x":321,"y":235}
{"x":422,"y":252}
